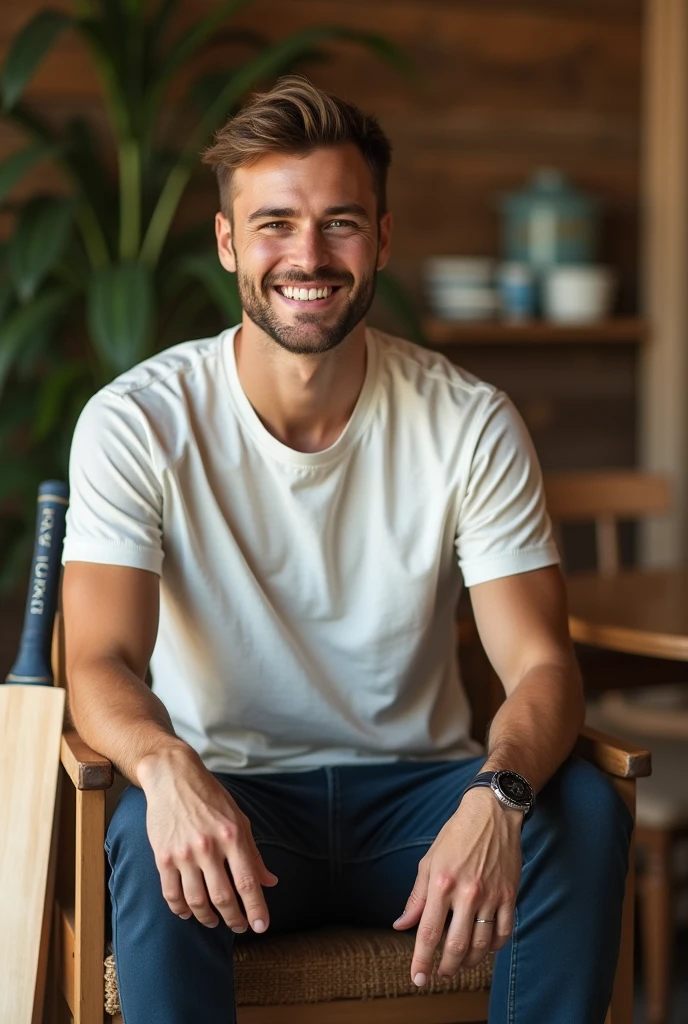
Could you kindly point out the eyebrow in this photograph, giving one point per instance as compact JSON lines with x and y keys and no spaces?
{"x":275,"y":212}
{"x":336,"y":211}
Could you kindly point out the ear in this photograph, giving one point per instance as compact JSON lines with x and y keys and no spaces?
{"x":223,"y":234}
{"x":385,"y":240}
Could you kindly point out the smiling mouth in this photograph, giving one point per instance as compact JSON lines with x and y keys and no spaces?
{"x":306,"y":295}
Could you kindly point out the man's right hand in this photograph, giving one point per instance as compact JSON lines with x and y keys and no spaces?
{"x":194,"y":827}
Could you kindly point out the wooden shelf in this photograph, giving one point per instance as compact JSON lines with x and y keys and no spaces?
{"x":617,"y":331}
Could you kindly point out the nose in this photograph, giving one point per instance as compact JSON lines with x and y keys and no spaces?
{"x":309,"y":251}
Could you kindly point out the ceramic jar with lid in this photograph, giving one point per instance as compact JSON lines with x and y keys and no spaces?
{"x":549,"y":222}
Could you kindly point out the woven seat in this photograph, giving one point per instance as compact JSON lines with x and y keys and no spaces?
{"x":327,"y":964}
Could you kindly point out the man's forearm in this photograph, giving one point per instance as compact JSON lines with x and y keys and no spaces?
{"x":535,"y":729}
{"x":119,"y":716}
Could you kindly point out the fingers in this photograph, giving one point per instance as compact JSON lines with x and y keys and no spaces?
{"x":464,"y":939}
{"x":172,"y":887}
{"x":415,"y":905}
{"x":504,"y":925}
{"x":413,"y":911}
{"x":266,"y":876}
{"x":431,"y":926}
{"x":196,"y":882}
{"x":479,"y":942}
{"x":244,"y":860}
{"x":195,"y":895}
{"x":222,"y":896}
{"x":467,"y":941}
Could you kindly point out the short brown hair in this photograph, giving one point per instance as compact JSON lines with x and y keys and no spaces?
{"x":296,"y":117}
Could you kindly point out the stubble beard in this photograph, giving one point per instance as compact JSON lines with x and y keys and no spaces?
{"x":309,"y":334}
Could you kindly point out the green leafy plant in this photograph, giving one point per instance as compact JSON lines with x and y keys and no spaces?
{"x":95,"y":280}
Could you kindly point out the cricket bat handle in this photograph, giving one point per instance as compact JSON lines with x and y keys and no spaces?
{"x":33,"y":664}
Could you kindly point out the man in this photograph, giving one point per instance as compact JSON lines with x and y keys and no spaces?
{"x":277,"y":519}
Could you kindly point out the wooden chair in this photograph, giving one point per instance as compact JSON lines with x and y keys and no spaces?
{"x":360,"y":974}
{"x":606,"y":498}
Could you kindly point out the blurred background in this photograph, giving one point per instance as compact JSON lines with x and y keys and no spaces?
{"x":538,"y":184}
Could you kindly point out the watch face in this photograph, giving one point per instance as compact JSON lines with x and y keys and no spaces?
{"x":514,"y":788}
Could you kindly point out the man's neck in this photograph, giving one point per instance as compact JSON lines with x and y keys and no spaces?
{"x":303,"y":401}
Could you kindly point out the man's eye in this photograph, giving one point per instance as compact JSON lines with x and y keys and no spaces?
{"x":341,"y":224}
{"x":275,"y":224}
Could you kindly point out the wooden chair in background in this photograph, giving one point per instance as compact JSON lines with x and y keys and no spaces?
{"x":654,"y":717}
{"x":606,"y":498}
{"x":324,"y":976}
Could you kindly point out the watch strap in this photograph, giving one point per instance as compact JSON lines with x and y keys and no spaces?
{"x":485,"y":779}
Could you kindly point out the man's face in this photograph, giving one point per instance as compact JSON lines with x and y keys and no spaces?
{"x":305,"y":244}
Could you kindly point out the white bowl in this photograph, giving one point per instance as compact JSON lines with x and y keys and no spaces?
{"x":465,"y":303}
{"x":459,"y":269}
{"x":578,"y":293}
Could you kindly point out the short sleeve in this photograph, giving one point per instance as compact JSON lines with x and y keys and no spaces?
{"x":503,"y":526}
{"x":115,"y":504}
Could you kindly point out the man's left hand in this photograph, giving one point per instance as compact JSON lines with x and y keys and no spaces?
{"x":473,"y":868}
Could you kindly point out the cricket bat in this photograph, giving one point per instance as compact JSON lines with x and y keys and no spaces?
{"x":31,"y":717}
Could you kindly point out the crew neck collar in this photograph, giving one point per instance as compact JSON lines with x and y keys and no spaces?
{"x":354,"y":427}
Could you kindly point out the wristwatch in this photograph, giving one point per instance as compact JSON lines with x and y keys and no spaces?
{"x":510,"y":788}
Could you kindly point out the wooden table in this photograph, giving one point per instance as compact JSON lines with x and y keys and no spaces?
{"x":640,"y":612}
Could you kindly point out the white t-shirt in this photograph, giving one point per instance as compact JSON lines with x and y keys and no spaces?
{"x":307,"y":600}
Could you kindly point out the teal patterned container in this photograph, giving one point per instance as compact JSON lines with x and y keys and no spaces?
{"x":549,"y":222}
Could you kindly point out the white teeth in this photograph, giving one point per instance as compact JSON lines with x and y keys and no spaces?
{"x":305,"y":294}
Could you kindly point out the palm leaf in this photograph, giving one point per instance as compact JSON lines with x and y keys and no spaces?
{"x":159,"y":23}
{"x":55,"y":391}
{"x":23,"y":324}
{"x":218,"y":283}
{"x":20,"y":163}
{"x":120,"y":313}
{"x":181,"y":52}
{"x":33,"y":352}
{"x":27,"y":51}
{"x":88,"y":172}
{"x":106,"y":53}
{"x":38,"y":242}
{"x":76,"y":152}
{"x":195,"y":238}
{"x":83,"y":169}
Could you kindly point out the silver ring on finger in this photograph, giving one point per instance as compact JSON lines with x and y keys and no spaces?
{"x":484,"y":920}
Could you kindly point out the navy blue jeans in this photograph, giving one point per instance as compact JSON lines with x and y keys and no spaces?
{"x":345,"y":842}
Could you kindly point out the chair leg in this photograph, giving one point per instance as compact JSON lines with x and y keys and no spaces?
{"x":89,"y":907}
{"x":656,"y":919}
{"x":621,"y":1005}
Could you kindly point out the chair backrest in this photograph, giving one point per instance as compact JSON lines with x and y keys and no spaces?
{"x":605,"y":498}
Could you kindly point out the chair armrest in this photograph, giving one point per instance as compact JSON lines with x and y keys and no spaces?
{"x":89,"y":770}
{"x":614,"y":756}
{"x":86,"y":769}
